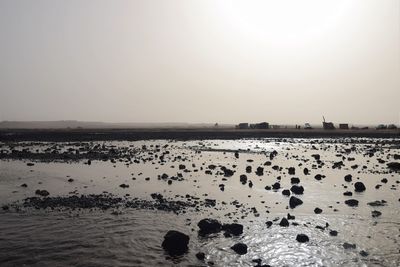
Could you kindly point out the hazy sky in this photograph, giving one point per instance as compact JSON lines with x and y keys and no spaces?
{"x":200,"y":61}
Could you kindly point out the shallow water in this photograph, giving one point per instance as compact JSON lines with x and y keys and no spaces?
{"x":133,"y":237}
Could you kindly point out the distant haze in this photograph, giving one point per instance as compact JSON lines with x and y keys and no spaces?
{"x":200,"y":61}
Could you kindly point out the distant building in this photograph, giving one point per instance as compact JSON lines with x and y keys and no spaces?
{"x":243,"y":125}
{"x":327,"y":125}
{"x":344,"y":126}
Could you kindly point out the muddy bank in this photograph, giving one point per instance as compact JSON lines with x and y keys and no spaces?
{"x":65,"y":135}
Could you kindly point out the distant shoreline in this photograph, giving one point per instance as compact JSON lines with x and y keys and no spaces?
{"x":67,"y":135}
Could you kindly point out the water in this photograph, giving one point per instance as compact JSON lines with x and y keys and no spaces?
{"x":132,"y":237}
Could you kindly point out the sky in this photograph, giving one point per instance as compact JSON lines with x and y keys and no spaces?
{"x":204,"y":61}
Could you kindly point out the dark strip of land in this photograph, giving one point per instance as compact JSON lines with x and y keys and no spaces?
{"x":67,"y":135}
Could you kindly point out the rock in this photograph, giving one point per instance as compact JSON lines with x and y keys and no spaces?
{"x":302,"y":238}
{"x":182,"y":167}
{"x":294,"y":180}
{"x":30,"y":164}
{"x":70,"y":180}
{"x":294,"y":202}
{"x":233,"y":228}
{"x":377,"y":203}
{"x":24,"y":185}
{"x":5,"y":207}
{"x":364,"y":253}
{"x":395,"y":166}
{"x":236,"y":154}
{"x":298,"y":190}
{"x":306,"y":171}
{"x":351,"y":202}
{"x":317,"y":211}
{"x":276,"y":186}
{"x":260,"y":171}
{"x":348,"y":178}
{"x":349,"y":246}
{"x":318,"y":177}
{"x":359,"y":187}
{"x":348,"y":193}
{"x":284,"y":222}
{"x":290,"y":217}
{"x":248,"y":169}
{"x":209,"y":226}
{"x":376,"y":213}
{"x":286,"y":192}
{"x":175,"y":243}
{"x":201,"y":256}
{"x":243,"y":179}
{"x":384,"y":180}
{"x":333,"y":233}
{"x":240,"y":248}
{"x":124,"y":185}
{"x":292,"y":171}
{"x":269,"y":224}
{"x":43,"y":193}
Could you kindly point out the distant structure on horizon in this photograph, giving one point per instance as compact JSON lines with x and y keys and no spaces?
{"x":246,"y":125}
{"x":327,"y":125}
{"x":344,"y":126}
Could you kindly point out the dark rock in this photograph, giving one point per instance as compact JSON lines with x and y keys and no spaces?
{"x":24,"y":185}
{"x":175,"y":243}
{"x":276,"y":186}
{"x":348,"y":178}
{"x":269,"y":224}
{"x":209,"y":226}
{"x":395,"y":166}
{"x":298,"y":190}
{"x":30,"y":164}
{"x":377,"y":203}
{"x":294,"y":180}
{"x":317,"y":211}
{"x":294,"y":202}
{"x":284,"y":222}
{"x":290,"y":217}
{"x":286,"y":192}
{"x":243,"y":179}
{"x":376,"y":213}
{"x":233,"y":228}
{"x":306,"y":171}
{"x":359,"y":187}
{"x":364,"y":253}
{"x":348,"y":193}
{"x":292,"y":171}
{"x":248,"y":169}
{"x":302,"y":238}
{"x":201,"y":256}
{"x":318,"y":177}
{"x":43,"y":193}
{"x":70,"y":180}
{"x":124,"y":185}
{"x":384,"y":180}
{"x":351,"y":202}
{"x":349,"y":246}
{"x":260,"y":171}
{"x":240,"y":248}
{"x":333,"y":233}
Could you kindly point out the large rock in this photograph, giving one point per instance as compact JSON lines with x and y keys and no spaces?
{"x":351,"y":202}
{"x":294,"y":202}
{"x":175,"y":243}
{"x":284,"y":222}
{"x":240,"y":248}
{"x":395,"y":166}
{"x":292,"y":171}
{"x":302,"y":238}
{"x":233,"y":228}
{"x":348,"y":178}
{"x":209,"y":226}
{"x":43,"y":193}
{"x":297,"y":189}
{"x":359,"y":187}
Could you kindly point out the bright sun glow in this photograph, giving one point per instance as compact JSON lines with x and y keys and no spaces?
{"x":285,"y":22}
